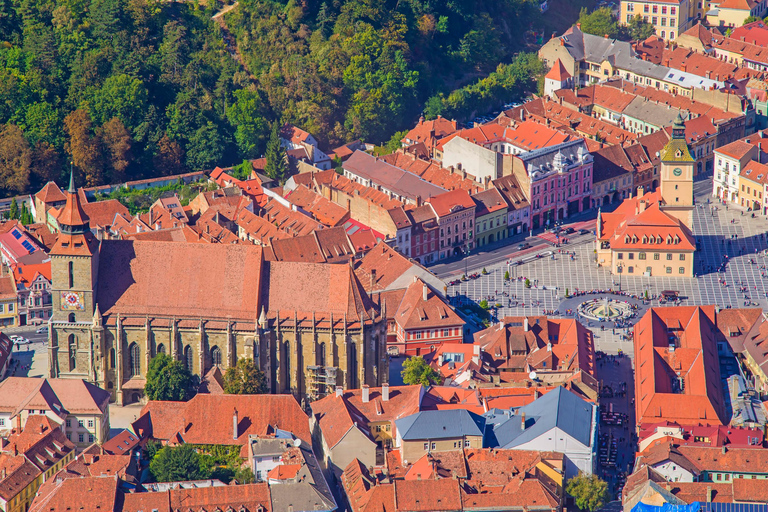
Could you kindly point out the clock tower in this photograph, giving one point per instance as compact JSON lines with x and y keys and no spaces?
{"x":677,"y":166}
{"x":74,"y":263}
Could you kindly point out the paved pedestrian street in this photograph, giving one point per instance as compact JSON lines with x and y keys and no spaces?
{"x":719,"y":231}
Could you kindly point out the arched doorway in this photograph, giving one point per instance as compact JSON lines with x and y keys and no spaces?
{"x":134,"y":360}
{"x":215,"y":356}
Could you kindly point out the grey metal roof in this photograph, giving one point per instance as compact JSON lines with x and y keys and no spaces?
{"x":541,"y":162}
{"x":440,"y":425}
{"x":311,"y":492}
{"x":559,"y":408}
{"x":651,"y":112}
{"x":388,"y":176}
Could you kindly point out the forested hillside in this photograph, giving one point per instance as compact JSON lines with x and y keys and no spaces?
{"x":126,"y":89}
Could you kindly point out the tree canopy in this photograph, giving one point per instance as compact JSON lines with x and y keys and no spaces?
{"x":176,"y":464}
{"x":589,"y":491}
{"x":417,"y":371}
{"x":131,"y":89}
{"x":245,"y":378}
{"x":599,"y":22}
{"x":168,"y":379}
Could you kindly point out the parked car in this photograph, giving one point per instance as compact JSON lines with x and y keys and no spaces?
{"x":42,"y":330}
{"x":584,"y":231}
{"x":568,"y":231}
{"x":524,"y":245}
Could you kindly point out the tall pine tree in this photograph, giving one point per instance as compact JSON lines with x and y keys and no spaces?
{"x":277,"y":160}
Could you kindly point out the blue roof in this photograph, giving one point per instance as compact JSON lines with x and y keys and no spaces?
{"x":440,"y":425}
{"x":560,"y":408}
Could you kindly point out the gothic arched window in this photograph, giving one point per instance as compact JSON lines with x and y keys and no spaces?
{"x":188,"y":358}
{"x":161,"y":349}
{"x":134,"y":360}
{"x":215,"y":356}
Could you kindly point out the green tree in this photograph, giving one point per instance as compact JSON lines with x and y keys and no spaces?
{"x":417,"y":371}
{"x":15,"y":159}
{"x":599,"y":22}
{"x":206,"y":148}
{"x":589,"y":491}
{"x":245,"y":378}
{"x":176,"y":464}
{"x":394,"y":143}
{"x":25,"y":217}
{"x":13,"y":214}
{"x":123,"y":97}
{"x":168,"y":379}
{"x":248,"y":116}
{"x":277,"y":160}
{"x":639,"y":29}
{"x":506,"y":275}
{"x":750,"y":19}
{"x":244,"y":475}
{"x":484,"y":304}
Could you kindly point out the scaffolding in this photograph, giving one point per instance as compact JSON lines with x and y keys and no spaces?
{"x":322,"y":380}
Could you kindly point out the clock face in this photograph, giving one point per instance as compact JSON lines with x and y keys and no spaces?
{"x":72,"y":301}
{"x":677,"y":172}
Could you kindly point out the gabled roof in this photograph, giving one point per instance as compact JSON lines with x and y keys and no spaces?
{"x":415,"y":312}
{"x":450,"y":202}
{"x":51,"y":193}
{"x":72,"y":396}
{"x":560,"y":408}
{"x":445,"y":424}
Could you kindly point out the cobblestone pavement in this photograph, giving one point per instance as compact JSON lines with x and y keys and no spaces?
{"x":551,"y":278}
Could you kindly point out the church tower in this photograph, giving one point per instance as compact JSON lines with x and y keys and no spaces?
{"x":74,"y":267}
{"x":677,"y":166}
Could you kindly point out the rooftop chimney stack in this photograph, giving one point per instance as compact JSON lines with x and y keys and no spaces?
{"x":522,"y":421}
{"x":425,"y":292}
{"x":339,"y":391}
{"x":385,"y":392}
{"x":366,"y":394}
{"x":525,"y":324}
{"x":234,"y":425}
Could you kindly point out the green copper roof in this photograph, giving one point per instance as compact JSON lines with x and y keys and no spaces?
{"x":676,"y":150}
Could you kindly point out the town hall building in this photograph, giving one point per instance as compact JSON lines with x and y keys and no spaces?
{"x":650,"y":234}
{"x":119,"y":303}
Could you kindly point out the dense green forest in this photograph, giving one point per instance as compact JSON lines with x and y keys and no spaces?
{"x":127,"y":89}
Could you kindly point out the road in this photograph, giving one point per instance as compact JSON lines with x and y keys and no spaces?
{"x":29,"y":360}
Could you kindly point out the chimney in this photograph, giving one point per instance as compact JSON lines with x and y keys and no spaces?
{"x":339,"y":391}
{"x":366,"y":394}
{"x":562,"y":43}
{"x":709,"y":489}
{"x":522,"y":114}
{"x":525,"y":324}
{"x":522,"y":421}
{"x":451,"y":169}
{"x":373,"y":279}
{"x":425,"y":292}
{"x":234,"y":425}
{"x":385,"y":392}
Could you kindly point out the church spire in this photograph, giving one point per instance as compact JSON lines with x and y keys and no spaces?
{"x":71,"y":188}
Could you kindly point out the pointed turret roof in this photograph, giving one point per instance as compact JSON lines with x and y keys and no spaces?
{"x":72,"y":215}
{"x":558,"y":72}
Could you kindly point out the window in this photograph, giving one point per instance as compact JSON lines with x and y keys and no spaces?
{"x":69,"y":423}
{"x":654,"y":19}
{"x":655,"y":9}
{"x":669,"y":270}
{"x":90,"y":423}
{"x":2,"y":422}
{"x":682,"y":257}
{"x":112,"y":358}
{"x":161,"y":349}
{"x":673,"y":11}
{"x":655,"y":256}
{"x":426,"y":446}
{"x":631,"y":7}
{"x":215,"y":356}
{"x":71,"y":274}
{"x":646,"y":8}
{"x":134,"y":360}
{"x":434,"y":446}
{"x":641,"y":255}
{"x":631,"y":270}
{"x":72,"y":352}
{"x":71,"y":318}
{"x":663,"y":9}
{"x":80,"y":437}
{"x":631,"y":255}
{"x":466,"y":443}
{"x":681,"y":270}
{"x":669,"y":257}
{"x":663,"y":23}
{"x":79,"y":423}
{"x":620,"y":255}
{"x":188,"y":358}
{"x":90,"y":438}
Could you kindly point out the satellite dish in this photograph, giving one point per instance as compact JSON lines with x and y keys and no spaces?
{"x":297,"y":443}
{"x":532,"y":375}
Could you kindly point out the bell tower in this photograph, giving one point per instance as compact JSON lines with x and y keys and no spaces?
{"x":74,"y":267}
{"x":677,"y":166}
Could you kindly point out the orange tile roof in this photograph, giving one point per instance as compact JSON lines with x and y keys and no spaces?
{"x":416,"y":313}
{"x":26,"y":274}
{"x":755,"y":172}
{"x":558,"y":72}
{"x":431,"y":172}
{"x":488,"y":201}
{"x":61,"y":495}
{"x":450,"y":202}
{"x":697,"y":396}
{"x":737,"y":149}
{"x":323,"y":210}
{"x":51,"y":193}
{"x":429,"y":131}
{"x":207,"y":419}
{"x":383,"y":262}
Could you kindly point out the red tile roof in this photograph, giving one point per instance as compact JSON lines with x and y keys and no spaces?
{"x":678,"y":381}
{"x":323,"y":210}
{"x":737,"y":149}
{"x":51,"y":193}
{"x":451,"y":202}
{"x":415,"y":312}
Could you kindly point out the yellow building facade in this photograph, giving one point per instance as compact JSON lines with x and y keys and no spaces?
{"x":669,"y":19}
